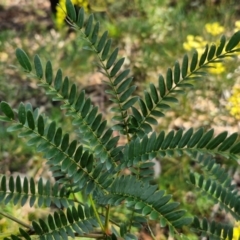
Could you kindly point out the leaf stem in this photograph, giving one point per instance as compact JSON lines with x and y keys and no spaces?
{"x":150,"y":230}
{"x":96,"y":213}
{"x":16,"y":220}
{"x":107,"y":220}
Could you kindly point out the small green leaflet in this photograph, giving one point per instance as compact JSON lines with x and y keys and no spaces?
{"x":71,"y":10}
{"x":38,"y":66}
{"x":23,"y":60}
{"x":7,"y":110}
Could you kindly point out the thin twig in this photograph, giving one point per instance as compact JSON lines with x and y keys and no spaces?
{"x":16,"y":220}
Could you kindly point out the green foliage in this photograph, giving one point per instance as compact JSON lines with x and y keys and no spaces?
{"x":95,"y":166}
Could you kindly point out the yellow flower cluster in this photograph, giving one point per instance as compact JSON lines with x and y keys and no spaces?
{"x":237,"y":26}
{"x":236,"y":231}
{"x":217,"y":68}
{"x":198,"y":43}
{"x":195,"y":42}
{"x":61,"y":10}
{"x":234,"y":107}
{"x":214,"y":28}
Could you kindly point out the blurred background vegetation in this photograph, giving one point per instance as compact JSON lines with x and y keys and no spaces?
{"x":151,"y":35}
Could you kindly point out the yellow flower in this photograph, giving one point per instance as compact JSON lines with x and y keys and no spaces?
{"x":195,"y":42}
{"x":61,"y":10}
{"x":234,"y":109}
{"x":217,"y":68}
{"x":237,"y":26}
{"x":236,"y":231}
{"x":214,"y":28}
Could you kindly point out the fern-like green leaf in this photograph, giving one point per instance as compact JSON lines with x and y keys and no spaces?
{"x":213,"y":230}
{"x":144,"y":195}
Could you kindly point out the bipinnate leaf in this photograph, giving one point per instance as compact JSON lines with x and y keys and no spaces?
{"x":89,"y":165}
{"x":23,"y":60}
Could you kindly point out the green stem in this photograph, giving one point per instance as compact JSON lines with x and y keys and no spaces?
{"x":96,"y":213}
{"x":107,"y":219}
{"x":150,"y":230}
{"x":15,"y":220}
